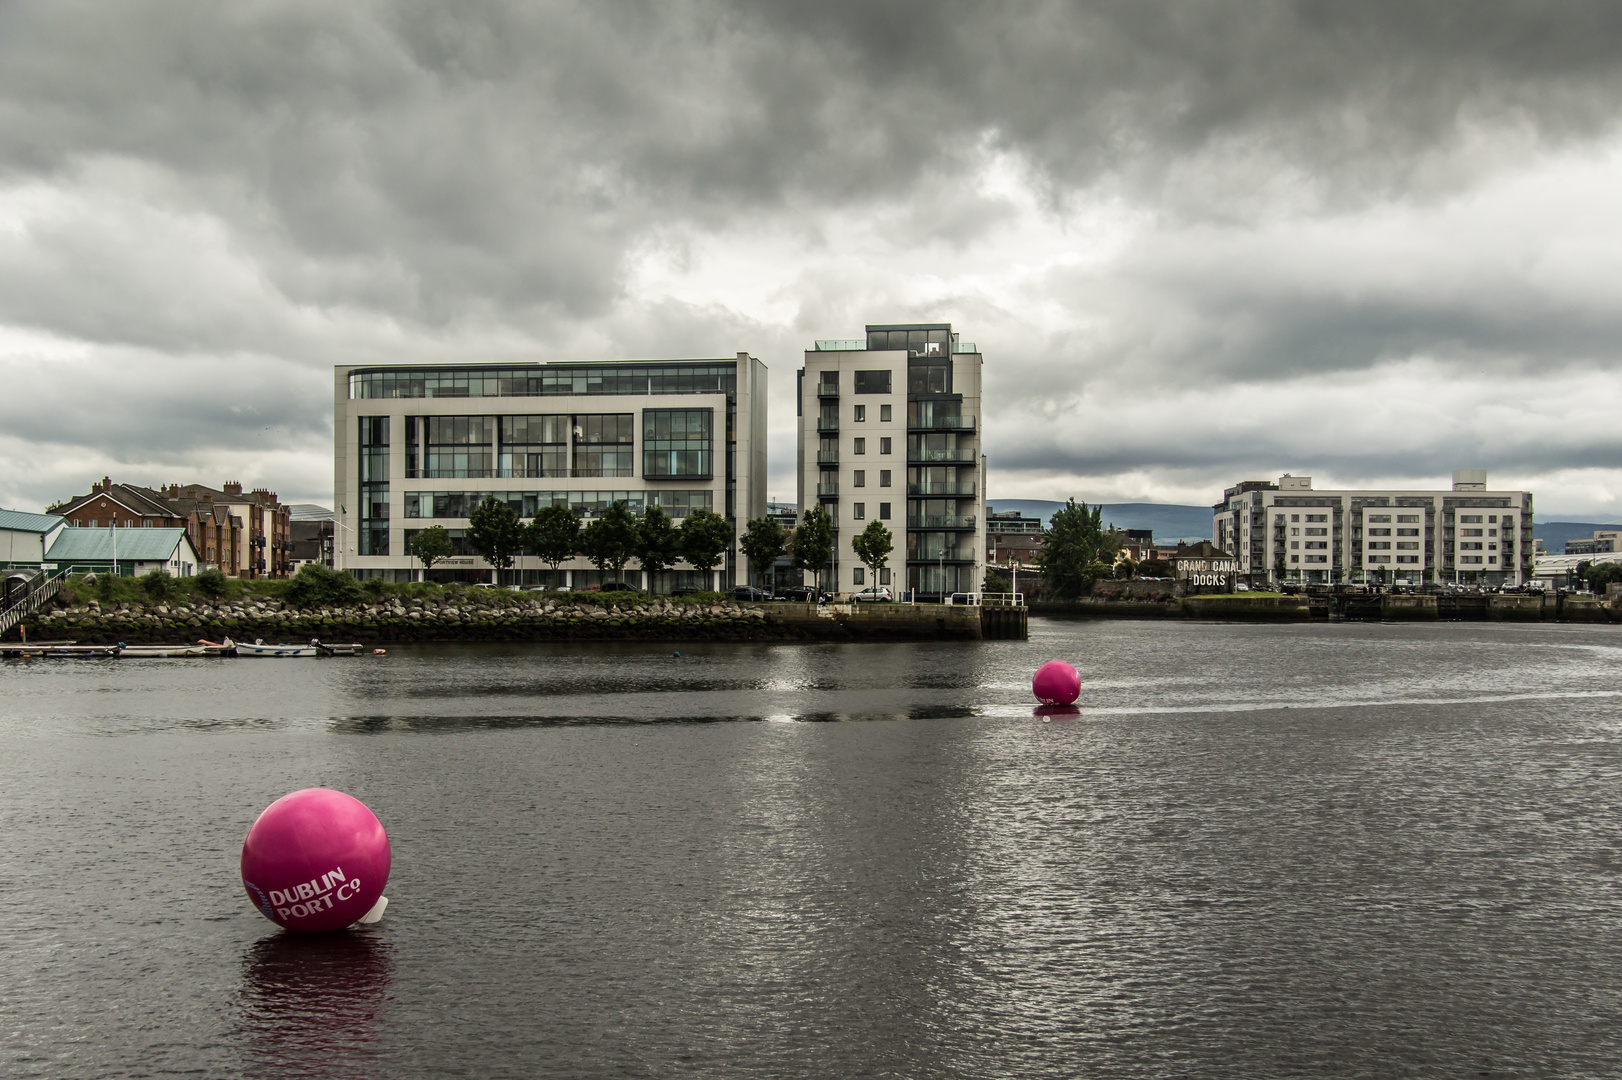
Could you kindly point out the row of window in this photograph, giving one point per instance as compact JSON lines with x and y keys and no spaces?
{"x":460,"y":504}
{"x":544,"y":382}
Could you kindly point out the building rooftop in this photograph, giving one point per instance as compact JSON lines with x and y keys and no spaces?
{"x":23,"y":521}
{"x":140,"y":545}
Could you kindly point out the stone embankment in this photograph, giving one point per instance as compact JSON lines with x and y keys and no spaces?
{"x":500,"y":617}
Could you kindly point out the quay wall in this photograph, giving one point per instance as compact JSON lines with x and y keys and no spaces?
{"x":503,"y":618}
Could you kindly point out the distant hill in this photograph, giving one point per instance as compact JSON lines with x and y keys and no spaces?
{"x":1171,"y":522}
{"x":1554,"y":534}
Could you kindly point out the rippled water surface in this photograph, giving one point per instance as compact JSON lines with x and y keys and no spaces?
{"x":1328,"y":850}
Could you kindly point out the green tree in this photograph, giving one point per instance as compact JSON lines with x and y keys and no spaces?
{"x":763,"y":543}
{"x":212,"y":583}
{"x":494,"y":531}
{"x":1126,"y":569}
{"x":873,"y":546}
{"x":658,"y":541}
{"x":814,"y":542}
{"x":705,"y":537}
{"x":1076,"y":550}
{"x":553,"y":534}
{"x":995,"y":582}
{"x":430,"y":546}
{"x":1601,"y":575}
{"x":157,"y":584}
{"x":610,"y":541}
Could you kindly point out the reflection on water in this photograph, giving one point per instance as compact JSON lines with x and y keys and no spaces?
{"x":313,"y":1004}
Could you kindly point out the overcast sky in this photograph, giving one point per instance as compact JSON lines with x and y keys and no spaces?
{"x":1197,"y":242}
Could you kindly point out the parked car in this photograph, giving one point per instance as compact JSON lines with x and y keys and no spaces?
{"x":749,"y":592}
{"x":873,"y":594}
{"x":804,"y":594}
{"x":612,"y":586}
{"x":687,"y":590}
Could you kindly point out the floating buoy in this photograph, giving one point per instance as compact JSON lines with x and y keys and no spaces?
{"x":675,"y":654}
{"x":380,"y":652}
{"x":317,"y":860}
{"x":1056,"y":683}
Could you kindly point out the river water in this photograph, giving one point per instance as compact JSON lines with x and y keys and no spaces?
{"x":1349,"y":850}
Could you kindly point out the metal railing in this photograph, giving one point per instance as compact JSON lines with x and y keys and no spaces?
{"x":946,"y":522}
{"x":840,"y":345}
{"x":827,"y":390}
{"x":941,"y":423}
{"x":824,"y":490}
{"x":826,"y":425}
{"x":39,"y":591}
{"x":827,"y":457}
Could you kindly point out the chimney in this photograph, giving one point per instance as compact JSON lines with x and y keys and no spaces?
{"x":105,"y":485}
{"x":232,"y":487}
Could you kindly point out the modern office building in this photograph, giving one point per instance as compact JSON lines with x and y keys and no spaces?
{"x":1603,"y":542}
{"x":889,"y":431}
{"x":419,"y":446}
{"x":1289,"y":532}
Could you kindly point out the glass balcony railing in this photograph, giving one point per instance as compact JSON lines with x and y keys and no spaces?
{"x":940,"y":489}
{"x":940,"y":423}
{"x":825,"y":491}
{"x":828,"y":425}
{"x":827,"y":390}
{"x":948,"y":521}
{"x":827,"y":457}
{"x":840,"y":345}
{"x":930,"y":457}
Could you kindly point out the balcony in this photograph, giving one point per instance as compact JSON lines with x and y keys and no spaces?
{"x":827,"y":457}
{"x":940,"y":555}
{"x":828,"y":391}
{"x":940,"y":423}
{"x":927,"y":489}
{"x":840,"y":345}
{"x":604,"y":470}
{"x":828,"y":425}
{"x":948,"y":521}
{"x":827,"y":491}
{"x":959,"y":456}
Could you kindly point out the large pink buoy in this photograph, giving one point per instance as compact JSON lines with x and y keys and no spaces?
{"x":317,"y":860}
{"x":1056,"y":683}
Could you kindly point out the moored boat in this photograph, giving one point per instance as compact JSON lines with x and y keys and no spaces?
{"x":259,"y":648}
{"x":144,"y":652}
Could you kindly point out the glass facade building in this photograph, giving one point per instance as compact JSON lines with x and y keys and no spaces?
{"x":682,"y":435}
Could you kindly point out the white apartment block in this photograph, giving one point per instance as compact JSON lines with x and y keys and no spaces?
{"x":889,"y":431}
{"x":1288,"y":532}
{"x":421,"y":445}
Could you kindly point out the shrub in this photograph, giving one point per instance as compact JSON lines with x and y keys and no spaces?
{"x":157,"y":585}
{"x":212,"y":583}
{"x":315,"y":585}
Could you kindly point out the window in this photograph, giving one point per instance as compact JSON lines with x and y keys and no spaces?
{"x":1476,"y":546}
{"x":858,"y":511}
{"x":1381,"y":518}
{"x":1470,"y":559}
{"x":93,"y":523}
{"x":1407,"y":545}
{"x":1317,"y":517}
{"x":1407,"y":519}
{"x":873,"y":382}
{"x":1408,"y":558}
{"x":1407,"y":532}
{"x":861,"y":414}
{"x":1492,"y":532}
{"x":1493,"y":519}
{"x":1295,"y":543}
{"x":1295,"y":517}
{"x":860,"y":479}
{"x":1317,"y":532}
{"x":1469,"y":532}
{"x":373,"y":533}
{"x":1492,"y":558}
{"x":1295,"y":532}
{"x":884,"y":445}
{"x":1317,"y":558}
{"x":458,"y":446}
{"x":1379,"y":545}
{"x":884,"y":511}
{"x":1379,"y":558}
{"x":677,"y":442}
{"x":884,"y":575}
{"x":527,"y":445}
{"x":884,"y":478}
{"x":929,"y":378}
{"x":1470,"y":519}
{"x":1492,"y":547}
{"x":1295,"y":558}
{"x":884,"y":414}
{"x":858,"y":574}
{"x":861,"y":447}
{"x":1317,"y":545}
{"x":1379,"y":532}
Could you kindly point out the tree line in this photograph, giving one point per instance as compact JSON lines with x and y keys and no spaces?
{"x":611,"y":540}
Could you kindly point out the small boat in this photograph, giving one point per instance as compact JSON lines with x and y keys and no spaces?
{"x":340,"y":650}
{"x":143,"y":652}
{"x":33,"y":651}
{"x":259,"y":648}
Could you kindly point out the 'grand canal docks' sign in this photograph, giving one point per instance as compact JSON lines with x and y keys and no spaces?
{"x":1204,"y":568}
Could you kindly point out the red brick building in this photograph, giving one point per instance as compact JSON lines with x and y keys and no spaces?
{"x":245,"y":535}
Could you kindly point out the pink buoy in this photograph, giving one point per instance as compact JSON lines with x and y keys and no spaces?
{"x":317,"y":860}
{"x":1056,"y":683}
